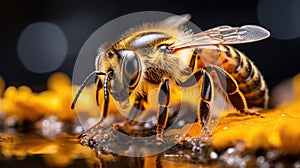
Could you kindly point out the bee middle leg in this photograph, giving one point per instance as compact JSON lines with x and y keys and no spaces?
{"x":206,"y":96}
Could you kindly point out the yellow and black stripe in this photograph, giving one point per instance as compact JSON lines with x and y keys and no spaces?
{"x":251,"y":85}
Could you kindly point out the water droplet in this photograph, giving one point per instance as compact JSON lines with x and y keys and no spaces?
{"x":260,"y":160}
{"x":78,"y":129}
{"x":196,"y":148}
{"x":105,"y":136}
{"x":181,"y":123}
{"x":213,"y":155}
{"x":147,"y":125}
{"x":230,"y":150}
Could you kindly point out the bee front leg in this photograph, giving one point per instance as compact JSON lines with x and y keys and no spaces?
{"x":162,"y":115}
{"x":106,"y":96}
{"x":99,"y":86}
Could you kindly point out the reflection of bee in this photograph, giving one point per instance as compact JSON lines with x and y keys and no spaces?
{"x":164,"y":55}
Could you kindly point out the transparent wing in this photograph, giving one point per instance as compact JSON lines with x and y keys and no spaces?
{"x":224,"y":35}
{"x":176,"y":20}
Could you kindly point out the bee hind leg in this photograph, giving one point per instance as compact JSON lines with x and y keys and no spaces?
{"x":162,"y":115}
{"x":254,"y":113}
{"x":238,"y":101}
{"x":231,"y":88}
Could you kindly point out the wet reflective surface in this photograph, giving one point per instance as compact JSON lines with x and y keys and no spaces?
{"x":28,"y":150}
{"x":40,"y":130}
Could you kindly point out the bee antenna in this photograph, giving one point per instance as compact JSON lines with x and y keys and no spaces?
{"x":83,"y":86}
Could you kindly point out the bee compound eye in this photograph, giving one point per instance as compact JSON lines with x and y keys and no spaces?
{"x":130,"y":67}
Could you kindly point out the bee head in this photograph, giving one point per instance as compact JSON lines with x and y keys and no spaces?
{"x":126,"y":68}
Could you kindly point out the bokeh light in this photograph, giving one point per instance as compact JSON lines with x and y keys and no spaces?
{"x":42,"y":47}
{"x":280,"y":17}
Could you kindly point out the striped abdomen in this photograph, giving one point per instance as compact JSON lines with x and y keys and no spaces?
{"x":249,"y":79}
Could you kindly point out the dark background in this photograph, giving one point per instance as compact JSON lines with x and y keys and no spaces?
{"x":277,"y":59}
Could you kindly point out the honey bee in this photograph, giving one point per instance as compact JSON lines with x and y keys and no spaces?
{"x":167,"y":56}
